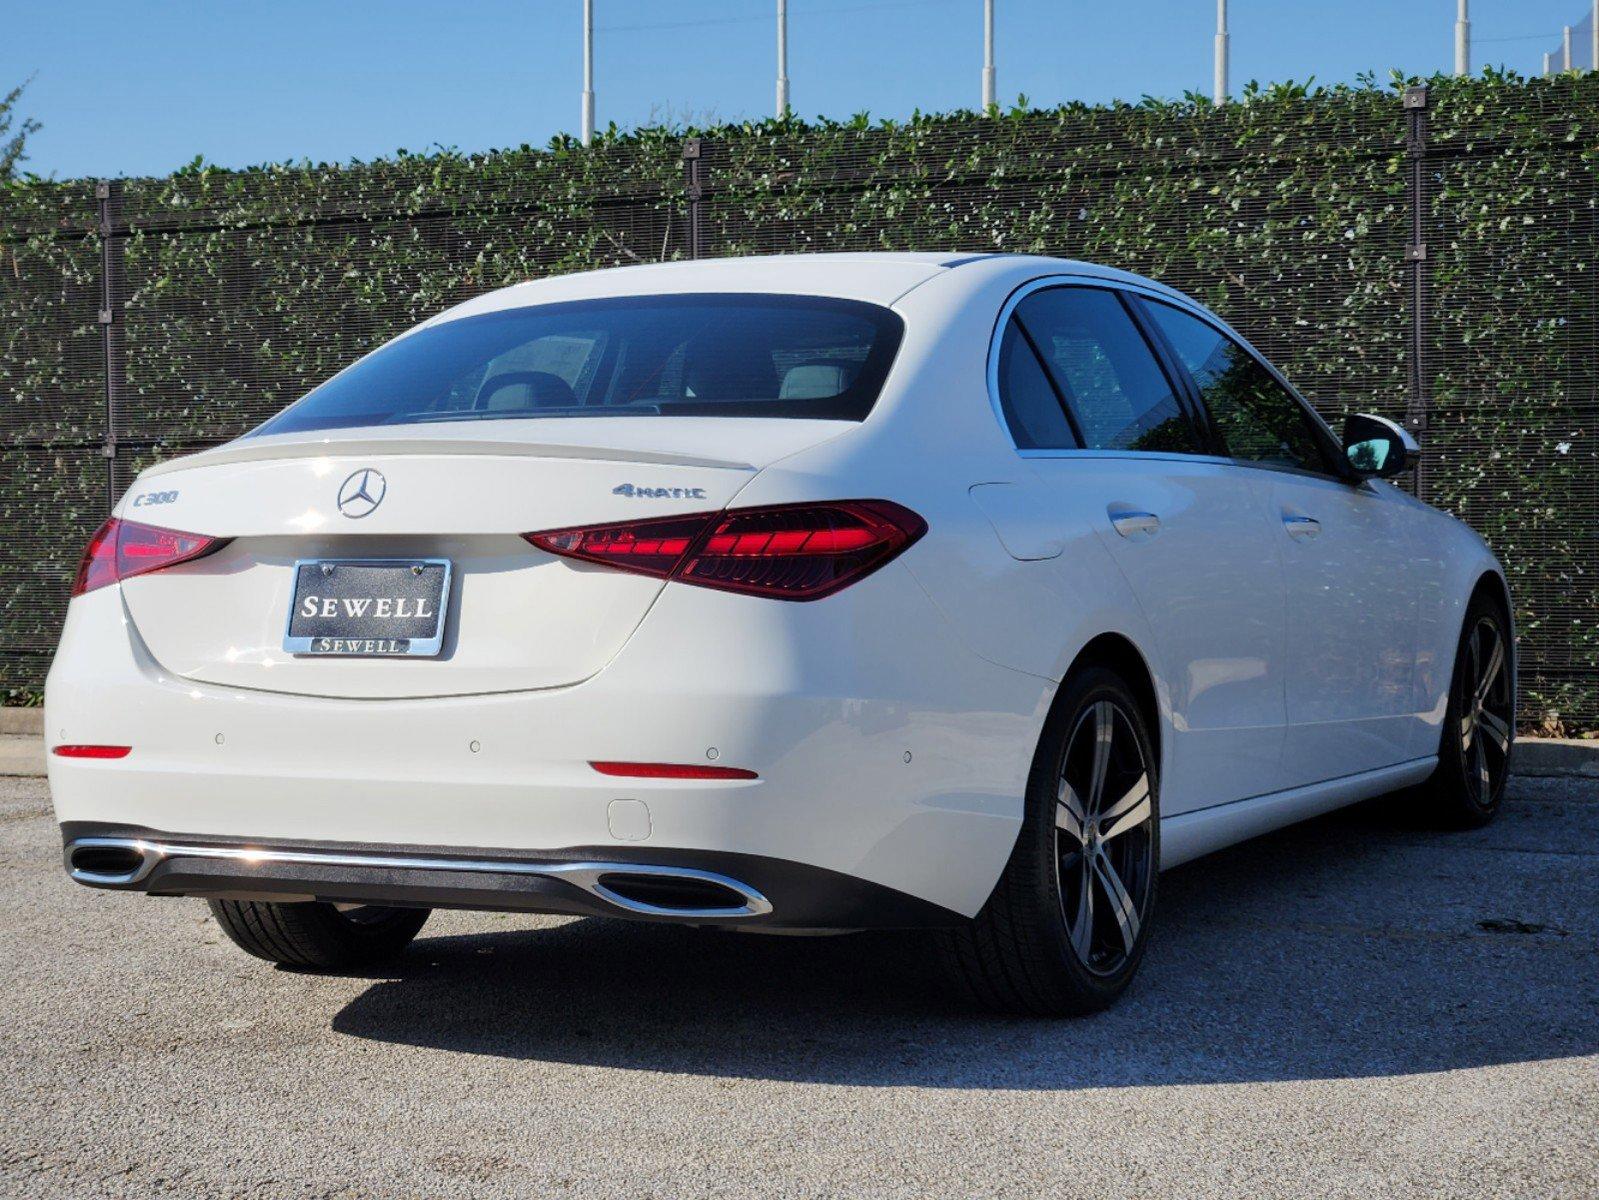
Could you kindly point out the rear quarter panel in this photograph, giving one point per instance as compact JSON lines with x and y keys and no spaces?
{"x":932,"y":436}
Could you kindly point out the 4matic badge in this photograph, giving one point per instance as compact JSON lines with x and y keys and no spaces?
{"x":658,"y":493}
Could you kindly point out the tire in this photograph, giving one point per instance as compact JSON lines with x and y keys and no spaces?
{"x":1479,"y":723}
{"x":316,"y":935}
{"x":1039,"y":947}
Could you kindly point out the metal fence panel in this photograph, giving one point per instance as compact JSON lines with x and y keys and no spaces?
{"x":1430,"y":259}
{"x":1513,"y":349}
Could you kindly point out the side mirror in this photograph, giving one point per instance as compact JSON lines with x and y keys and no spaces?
{"x":1376,"y":448}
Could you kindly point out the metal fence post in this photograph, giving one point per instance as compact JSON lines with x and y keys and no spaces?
{"x":1415,"y":104}
{"x":695,"y":191}
{"x":108,"y":197}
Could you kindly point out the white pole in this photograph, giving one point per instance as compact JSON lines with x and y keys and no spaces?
{"x":782,"y":59}
{"x":1548,"y":64}
{"x":588,"y":72}
{"x":1223,"y":47}
{"x":1565,"y":48}
{"x":1462,"y":41}
{"x":989,"y":100}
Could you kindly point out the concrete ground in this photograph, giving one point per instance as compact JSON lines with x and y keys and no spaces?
{"x":21,"y":755}
{"x":1353,"y":1007}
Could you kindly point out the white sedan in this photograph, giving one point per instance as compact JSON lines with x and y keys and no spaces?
{"x":810,"y":593}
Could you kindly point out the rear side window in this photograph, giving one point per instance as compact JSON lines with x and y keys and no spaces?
{"x":691,"y":355}
{"x":1032,"y":408}
{"x":1106,"y":372}
{"x":1258,"y":419}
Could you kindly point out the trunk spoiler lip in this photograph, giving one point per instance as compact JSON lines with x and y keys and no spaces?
{"x":264,"y":450}
{"x":664,"y":441}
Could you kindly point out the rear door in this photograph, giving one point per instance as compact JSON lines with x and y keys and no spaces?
{"x":1097,"y":415}
{"x":1351,"y":568}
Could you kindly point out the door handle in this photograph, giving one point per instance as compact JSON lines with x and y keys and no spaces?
{"x":1301,"y":527}
{"x":1130,"y":522}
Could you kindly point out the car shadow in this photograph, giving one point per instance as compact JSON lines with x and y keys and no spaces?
{"x":1350,"y":946}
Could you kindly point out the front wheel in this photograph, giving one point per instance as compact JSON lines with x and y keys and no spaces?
{"x":1066,"y":927}
{"x":317,"y":935}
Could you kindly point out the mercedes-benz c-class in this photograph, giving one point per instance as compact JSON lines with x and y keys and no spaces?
{"x":822,"y":593}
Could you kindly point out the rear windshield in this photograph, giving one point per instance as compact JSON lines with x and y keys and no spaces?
{"x":695,"y":355}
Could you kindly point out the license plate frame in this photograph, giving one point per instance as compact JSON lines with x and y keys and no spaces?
{"x":330,"y":645}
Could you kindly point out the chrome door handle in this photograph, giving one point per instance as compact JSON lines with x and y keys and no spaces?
{"x":1301,"y":527}
{"x":1131,"y":522}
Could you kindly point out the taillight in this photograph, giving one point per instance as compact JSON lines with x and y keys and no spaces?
{"x":122,"y":549}
{"x":785,"y":551}
{"x":647,"y":547}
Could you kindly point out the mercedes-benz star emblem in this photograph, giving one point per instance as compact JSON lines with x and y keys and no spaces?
{"x":362,"y":492}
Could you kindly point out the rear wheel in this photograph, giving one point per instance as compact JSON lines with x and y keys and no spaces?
{"x":318,"y":935}
{"x":1479,"y":723}
{"x":1066,"y":927}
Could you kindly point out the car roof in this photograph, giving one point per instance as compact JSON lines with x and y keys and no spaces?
{"x":881,"y":277}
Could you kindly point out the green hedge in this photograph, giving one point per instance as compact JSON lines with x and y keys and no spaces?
{"x":1289,"y":212}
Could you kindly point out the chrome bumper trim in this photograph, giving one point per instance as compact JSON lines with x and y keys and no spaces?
{"x":585,"y":875}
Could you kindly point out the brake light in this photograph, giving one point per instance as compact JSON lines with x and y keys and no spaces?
{"x":783,"y":551}
{"x":122,"y":549}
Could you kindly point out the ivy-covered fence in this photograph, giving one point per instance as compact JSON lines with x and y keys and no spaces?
{"x":1428,"y":254}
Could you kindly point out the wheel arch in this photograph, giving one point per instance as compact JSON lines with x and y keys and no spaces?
{"x":1117,"y":652}
{"x":1493,"y":585}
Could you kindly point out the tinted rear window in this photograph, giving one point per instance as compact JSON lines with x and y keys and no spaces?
{"x":696,"y":355}
{"x":1106,"y":371}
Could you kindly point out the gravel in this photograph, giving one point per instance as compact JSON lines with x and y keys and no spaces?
{"x":1349,"y":1007}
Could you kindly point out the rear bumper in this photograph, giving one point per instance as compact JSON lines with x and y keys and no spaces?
{"x":886,"y":752}
{"x":661,"y":885}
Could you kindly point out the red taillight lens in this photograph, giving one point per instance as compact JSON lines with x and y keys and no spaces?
{"x":799,"y":551}
{"x":122,"y":549}
{"x":648,"y":547}
{"x":785,"y":551}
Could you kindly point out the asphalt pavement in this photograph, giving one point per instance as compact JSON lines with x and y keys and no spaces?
{"x":1352,"y":1007}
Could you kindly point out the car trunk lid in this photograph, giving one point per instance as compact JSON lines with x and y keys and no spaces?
{"x":517,"y":618}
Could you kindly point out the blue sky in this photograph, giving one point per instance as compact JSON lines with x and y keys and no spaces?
{"x":136,"y":87}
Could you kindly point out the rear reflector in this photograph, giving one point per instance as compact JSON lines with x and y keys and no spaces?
{"x":122,"y":549}
{"x":784,"y":551}
{"x":638,"y":770}
{"x":91,"y":751}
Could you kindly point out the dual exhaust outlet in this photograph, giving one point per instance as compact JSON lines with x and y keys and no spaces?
{"x":684,"y":893}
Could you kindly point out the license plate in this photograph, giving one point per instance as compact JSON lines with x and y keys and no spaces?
{"x":368,"y":607}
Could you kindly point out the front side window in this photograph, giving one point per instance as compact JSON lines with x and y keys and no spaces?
{"x":1118,"y":394}
{"x":1258,"y":419}
{"x":690,"y":355}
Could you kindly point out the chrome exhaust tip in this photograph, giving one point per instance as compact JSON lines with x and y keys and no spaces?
{"x":681,"y":892}
{"x":111,"y":862}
